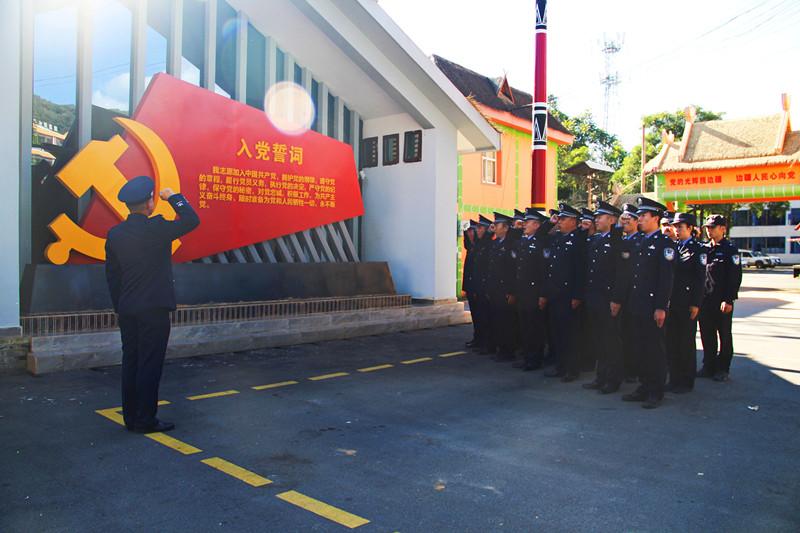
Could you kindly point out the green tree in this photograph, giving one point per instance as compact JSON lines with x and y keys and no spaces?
{"x":629,"y":171}
{"x":591,"y":142}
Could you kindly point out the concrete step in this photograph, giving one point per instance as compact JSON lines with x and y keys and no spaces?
{"x":87,"y":350}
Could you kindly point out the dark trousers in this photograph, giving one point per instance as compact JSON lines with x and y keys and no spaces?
{"x":630,"y":360}
{"x":606,"y":342}
{"x":651,"y":349}
{"x":563,"y":335}
{"x":681,"y":348}
{"x":532,"y":331}
{"x":481,"y":319}
{"x":144,"y":343}
{"x":502,"y":322}
{"x":586,"y":345}
{"x":714,"y":323}
{"x":472,"y":298}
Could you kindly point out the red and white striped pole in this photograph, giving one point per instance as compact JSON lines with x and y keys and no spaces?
{"x":539,"y":137}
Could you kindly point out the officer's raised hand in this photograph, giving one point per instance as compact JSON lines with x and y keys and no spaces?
{"x":659,"y":316}
{"x":166,"y":193}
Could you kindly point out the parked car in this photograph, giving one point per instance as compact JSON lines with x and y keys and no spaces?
{"x":764,"y":261}
{"x":748,"y":259}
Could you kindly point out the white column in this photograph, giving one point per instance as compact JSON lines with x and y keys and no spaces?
{"x":175,"y":39}
{"x":83,"y":99}
{"x":208,"y":74}
{"x":138,"y":51}
{"x":240,"y":85}
{"x":11,"y":23}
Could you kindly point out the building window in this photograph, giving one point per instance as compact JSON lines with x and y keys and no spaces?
{"x":489,"y":167}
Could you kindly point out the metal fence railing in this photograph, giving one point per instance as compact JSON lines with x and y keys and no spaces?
{"x":84,"y":322}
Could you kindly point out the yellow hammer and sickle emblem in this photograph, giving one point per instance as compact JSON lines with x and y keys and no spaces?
{"x":94,"y":167}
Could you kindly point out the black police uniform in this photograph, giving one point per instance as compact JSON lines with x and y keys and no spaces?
{"x":499,"y":285}
{"x":724,"y":276}
{"x":585,"y":347}
{"x":475,"y":287}
{"x":605,"y":258}
{"x":566,"y":279}
{"x":470,"y":246}
{"x":653,"y":273}
{"x":530,"y":275}
{"x":139,"y":275}
{"x":630,"y":249}
{"x":687,"y":291}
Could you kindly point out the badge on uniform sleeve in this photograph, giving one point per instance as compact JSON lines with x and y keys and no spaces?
{"x":546,"y":253}
{"x":703,"y":259}
{"x":669,"y":254}
{"x":736,"y":259}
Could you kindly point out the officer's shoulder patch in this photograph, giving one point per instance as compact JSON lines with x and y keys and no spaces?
{"x":669,"y":253}
{"x":703,"y":259}
{"x":736,"y":259}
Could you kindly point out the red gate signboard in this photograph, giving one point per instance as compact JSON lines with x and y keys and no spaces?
{"x":249,"y":181}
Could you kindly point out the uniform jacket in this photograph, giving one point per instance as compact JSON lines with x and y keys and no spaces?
{"x":653,"y":273}
{"x":469,"y":262}
{"x":531,"y":265}
{"x":724,"y":272}
{"x":139,"y":258}
{"x":629,"y":247}
{"x":603,"y":262}
{"x":475,"y":265}
{"x":690,"y":275}
{"x":501,"y":268}
{"x":566,"y":271}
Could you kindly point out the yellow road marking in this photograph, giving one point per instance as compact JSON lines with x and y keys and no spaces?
{"x":251,"y":478}
{"x":323,"y":509}
{"x":374,"y":368}
{"x":175,"y":444}
{"x":212,"y":395}
{"x":420,"y":360}
{"x":451,"y":354}
{"x":274,"y":385}
{"x":329,"y":376}
{"x":115,"y":413}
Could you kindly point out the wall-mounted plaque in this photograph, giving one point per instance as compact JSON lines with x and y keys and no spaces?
{"x":412,"y":146}
{"x":369,"y":152}
{"x":391,"y":149}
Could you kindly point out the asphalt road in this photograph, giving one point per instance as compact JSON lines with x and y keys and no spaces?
{"x":454,"y":443}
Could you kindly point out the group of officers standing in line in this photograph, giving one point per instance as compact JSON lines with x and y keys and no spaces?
{"x":619,"y":291}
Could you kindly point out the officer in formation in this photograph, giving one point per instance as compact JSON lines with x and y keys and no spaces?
{"x":721,"y":291}
{"x":684,"y":305}
{"x":641,"y":289}
{"x":474,"y":284}
{"x":139,"y":275}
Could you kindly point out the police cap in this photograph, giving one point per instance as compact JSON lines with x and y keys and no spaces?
{"x":137,"y":191}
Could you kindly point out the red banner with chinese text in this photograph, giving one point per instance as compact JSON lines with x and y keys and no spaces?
{"x":248,"y":181}
{"x":733,"y":177}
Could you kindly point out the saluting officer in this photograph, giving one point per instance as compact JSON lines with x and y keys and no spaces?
{"x":564,"y":286}
{"x":684,"y":305}
{"x":653,"y":272}
{"x":531,"y":267}
{"x":475,"y":284}
{"x":604,"y":268}
{"x":586,"y":353}
{"x":470,"y":239}
{"x":631,"y":240}
{"x":139,"y":275}
{"x":724,"y":276}
{"x":500,"y":287}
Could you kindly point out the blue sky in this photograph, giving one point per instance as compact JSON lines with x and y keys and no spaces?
{"x":735,"y":56}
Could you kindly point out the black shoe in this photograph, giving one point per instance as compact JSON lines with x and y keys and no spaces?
{"x":503,"y":357}
{"x":553,"y":373}
{"x":592,"y":385}
{"x":530,"y":367}
{"x":635,"y":396}
{"x":705,"y":372}
{"x":669,"y":387}
{"x":631,"y":379}
{"x":471,"y":344}
{"x":609,"y":388}
{"x":519,"y":364}
{"x":681,"y":389}
{"x":722,"y":376}
{"x":651,"y":402}
{"x":158,"y":427}
{"x":568,"y":378}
